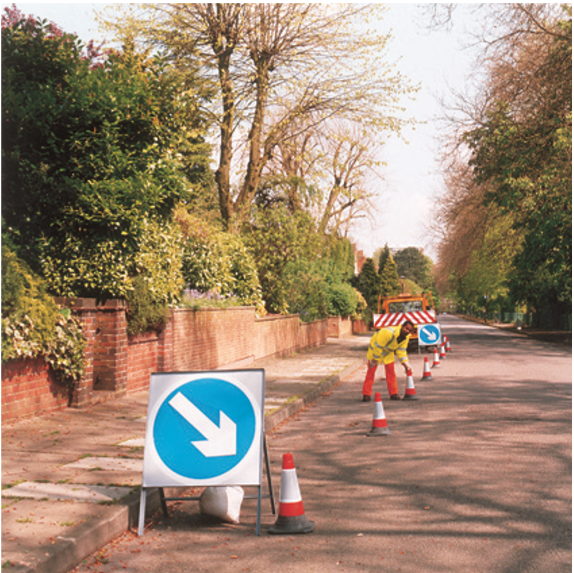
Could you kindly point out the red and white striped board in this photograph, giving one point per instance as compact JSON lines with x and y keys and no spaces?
{"x":396,"y":318}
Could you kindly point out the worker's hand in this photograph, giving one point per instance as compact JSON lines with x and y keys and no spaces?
{"x":407,"y":367}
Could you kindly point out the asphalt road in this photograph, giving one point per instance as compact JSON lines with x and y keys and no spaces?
{"x":475,"y":477}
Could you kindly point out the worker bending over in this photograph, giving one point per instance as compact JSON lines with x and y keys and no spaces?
{"x":384,"y":345}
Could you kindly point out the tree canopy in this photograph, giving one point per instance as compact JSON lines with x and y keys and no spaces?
{"x":509,"y":201}
{"x":277,"y":71}
{"x":96,"y":155}
{"x":413,"y":264}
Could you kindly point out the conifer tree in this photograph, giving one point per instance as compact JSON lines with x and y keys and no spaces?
{"x":369,"y":284}
{"x":383,"y":257}
{"x":389,"y":278}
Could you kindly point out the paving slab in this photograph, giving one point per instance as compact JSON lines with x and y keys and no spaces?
{"x":62,"y":492}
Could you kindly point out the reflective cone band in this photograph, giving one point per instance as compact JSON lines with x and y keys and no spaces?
{"x":436,"y":361}
{"x":447,"y":344}
{"x":426,"y":370}
{"x":291,"y":513}
{"x":442,"y":351}
{"x":410,"y":392}
{"x":379,"y":427}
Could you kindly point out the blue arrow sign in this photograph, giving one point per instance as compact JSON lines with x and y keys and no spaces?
{"x":428,"y":334}
{"x":204,"y":428}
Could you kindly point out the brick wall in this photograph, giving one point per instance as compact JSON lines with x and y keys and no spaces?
{"x":276,"y":336}
{"x":313,"y":334}
{"x":143,"y":358}
{"x":211,"y":338}
{"x":339,"y":326}
{"x":28,"y":387}
{"x":116,"y":364}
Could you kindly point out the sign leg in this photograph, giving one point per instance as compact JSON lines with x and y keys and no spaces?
{"x":258,"y":523}
{"x":143,"y":495}
{"x":268,"y":471}
{"x":163,"y":503}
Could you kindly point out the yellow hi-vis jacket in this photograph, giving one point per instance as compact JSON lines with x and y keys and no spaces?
{"x":384,"y":346}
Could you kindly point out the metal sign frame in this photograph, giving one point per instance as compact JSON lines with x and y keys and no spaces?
{"x":224,"y":412}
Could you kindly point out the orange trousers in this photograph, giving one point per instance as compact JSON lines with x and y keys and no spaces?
{"x":390,"y":375}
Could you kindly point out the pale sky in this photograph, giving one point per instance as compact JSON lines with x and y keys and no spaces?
{"x":434,"y":60}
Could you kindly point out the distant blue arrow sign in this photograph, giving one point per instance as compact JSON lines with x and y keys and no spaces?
{"x":428,"y":334}
{"x":204,"y":428}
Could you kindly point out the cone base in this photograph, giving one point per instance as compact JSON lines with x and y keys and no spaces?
{"x":410,"y":397}
{"x":426,"y":378}
{"x":379,"y":432}
{"x":293,"y":524}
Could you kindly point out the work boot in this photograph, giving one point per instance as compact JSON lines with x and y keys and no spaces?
{"x":366,"y":398}
{"x":395,"y":397}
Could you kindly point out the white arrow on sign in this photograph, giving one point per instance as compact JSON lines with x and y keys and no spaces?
{"x":432,"y":335}
{"x":220,"y":440}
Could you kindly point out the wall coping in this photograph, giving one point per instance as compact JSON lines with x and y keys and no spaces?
{"x":279,"y":317}
{"x":91,"y":303}
{"x":212,"y":309}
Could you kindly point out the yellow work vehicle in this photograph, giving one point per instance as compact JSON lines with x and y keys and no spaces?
{"x":394,"y":310}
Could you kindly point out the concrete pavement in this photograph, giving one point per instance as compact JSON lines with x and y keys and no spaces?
{"x":70,"y":478}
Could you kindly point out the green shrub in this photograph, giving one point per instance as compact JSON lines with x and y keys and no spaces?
{"x":144,"y":313}
{"x":33,"y":325}
{"x":280,"y":242}
{"x":158,"y":281}
{"x":342,"y":300}
{"x":217,"y":262}
{"x":64,"y":352}
{"x":362,"y":310}
{"x":28,"y":311}
{"x":306,"y":291}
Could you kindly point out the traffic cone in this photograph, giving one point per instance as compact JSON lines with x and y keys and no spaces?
{"x":291,"y":513}
{"x":410,"y":392}
{"x":447,"y":344}
{"x":426,"y":370}
{"x":436,"y":361}
{"x":379,"y":427}
{"x":442,"y":351}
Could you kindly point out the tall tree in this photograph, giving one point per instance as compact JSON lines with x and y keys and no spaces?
{"x":369,"y":284}
{"x":516,"y":129}
{"x":324,"y":171}
{"x":523,"y":149}
{"x":413,"y":264}
{"x":384,"y":256}
{"x":389,"y":278}
{"x":279,"y":70}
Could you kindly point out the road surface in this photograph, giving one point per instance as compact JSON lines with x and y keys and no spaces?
{"x":475,"y":477}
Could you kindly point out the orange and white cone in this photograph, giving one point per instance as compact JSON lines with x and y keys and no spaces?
{"x":447,"y":344}
{"x":426,"y":370}
{"x":410,"y":392}
{"x":442,"y":351}
{"x":436,"y":361}
{"x":379,"y":427}
{"x":291,"y":517}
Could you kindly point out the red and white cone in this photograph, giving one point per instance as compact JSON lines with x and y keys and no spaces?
{"x":410,"y":392}
{"x":291,"y":517}
{"x":379,"y":427}
{"x":442,"y":351}
{"x":436,"y":361}
{"x":426,"y":370}
{"x":447,"y":344}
